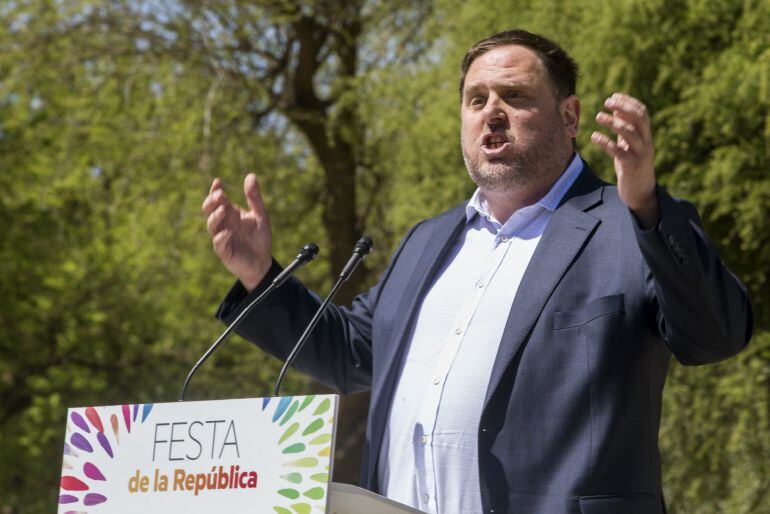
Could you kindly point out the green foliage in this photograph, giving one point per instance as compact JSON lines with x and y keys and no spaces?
{"x":107,"y":280}
{"x":108,"y":144}
{"x":714,"y":435}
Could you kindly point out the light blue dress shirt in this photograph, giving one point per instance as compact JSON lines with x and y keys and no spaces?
{"x":429,"y":457}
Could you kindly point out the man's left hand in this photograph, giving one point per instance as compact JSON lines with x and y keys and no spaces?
{"x":632,"y":153}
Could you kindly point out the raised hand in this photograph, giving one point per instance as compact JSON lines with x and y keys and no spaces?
{"x":242,"y":239}
{"x":632,"y":153}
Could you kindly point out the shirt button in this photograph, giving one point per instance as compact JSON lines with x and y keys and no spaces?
{"x":458,"y":331}
{"x":436,"y":381}
{"x":424,"y":498}
{"x":424,"y":439}
{"x":480,"y":284}
{"x":504,"y":239}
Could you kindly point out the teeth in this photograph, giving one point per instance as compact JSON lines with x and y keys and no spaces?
{"x":494,"y":145}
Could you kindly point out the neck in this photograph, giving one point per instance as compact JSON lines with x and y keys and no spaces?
{"x":502,"y":204}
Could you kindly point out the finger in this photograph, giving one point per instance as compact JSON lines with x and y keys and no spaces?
{"x":217,"y":184}
{"x":216,"y":220}
{"x":253,"y":196}
{"x":627,"y":131}
{"x":627,"y":104}
{"x":631,"y":109}
{"x":220,"y":242}
{"x":607,"y":144}
{"x":214,"y":200}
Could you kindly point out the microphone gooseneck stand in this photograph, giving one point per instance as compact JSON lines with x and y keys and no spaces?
{"x":305,"y":255}
{"x":361,"y":249}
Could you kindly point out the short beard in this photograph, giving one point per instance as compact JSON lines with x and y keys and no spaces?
{"x":504,"y":176}
{"x":529,"y":166}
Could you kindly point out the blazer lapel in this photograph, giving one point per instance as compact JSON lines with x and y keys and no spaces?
{"x":566,"y":233}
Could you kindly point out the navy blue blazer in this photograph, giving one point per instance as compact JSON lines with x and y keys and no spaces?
{"x":572,"y":410}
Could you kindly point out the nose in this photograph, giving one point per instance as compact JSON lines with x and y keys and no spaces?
{"x":493,"y":111}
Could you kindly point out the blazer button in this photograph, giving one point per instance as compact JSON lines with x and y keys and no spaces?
{"x":671,"y":239}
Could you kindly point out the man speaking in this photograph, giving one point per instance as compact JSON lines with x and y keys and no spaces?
{"x":517,"y":345}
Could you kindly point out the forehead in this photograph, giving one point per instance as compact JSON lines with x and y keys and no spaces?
{"x":506,"y":63}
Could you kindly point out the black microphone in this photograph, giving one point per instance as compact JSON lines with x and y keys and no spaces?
{"x":362,"y":248}
{"x":305,"y":255}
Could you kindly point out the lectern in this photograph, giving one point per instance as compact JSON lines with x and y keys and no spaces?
{"x":246,"y":456}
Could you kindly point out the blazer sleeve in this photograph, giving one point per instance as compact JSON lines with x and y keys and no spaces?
{"x":702,"y":310}
{"x":339,"y":351}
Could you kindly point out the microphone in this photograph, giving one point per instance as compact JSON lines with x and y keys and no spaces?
{"x":305,"y":255}
{"x":361,"y":249}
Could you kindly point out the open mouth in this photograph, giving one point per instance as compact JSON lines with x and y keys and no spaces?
{"x":494,"y":141}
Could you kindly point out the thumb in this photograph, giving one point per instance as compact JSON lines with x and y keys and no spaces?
{"x":253,"y":197}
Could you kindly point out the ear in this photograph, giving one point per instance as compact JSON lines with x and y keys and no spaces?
{"x":570,"y":114}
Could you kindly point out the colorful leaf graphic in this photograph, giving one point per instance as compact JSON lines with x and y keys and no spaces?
{"x":69,"y":483}
{"x":316,"y":493}
{"x":305,"y":462}
{"x":321,"y":439}
{"x":295,"y":448}
{"x":313,"y":427}
{"x":322,"y":407}
{"x":67,"y":498}
{"x":307,"y":401}
{"x":282,"y":405}
{"x":127,"y":417}
{"x":104,"y":442}
{"x":94,"y":499}
{"x":294,"y":478}
{"x":289,"y":413}
{"x":80,"y":442}
{"x":79,"y":422}
{"x":115,"y":427}
{"x":92,"y":472}
{"x":289,"y":431}
{"x":292,"y":494}
{"x":69,"y":451}
{"x":94,"y":418}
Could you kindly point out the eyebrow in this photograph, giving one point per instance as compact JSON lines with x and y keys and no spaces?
{"x":475,"y":86}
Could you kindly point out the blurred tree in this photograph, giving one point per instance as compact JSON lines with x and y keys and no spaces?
{"x":108,"y":109}
{"x":104,"y":261}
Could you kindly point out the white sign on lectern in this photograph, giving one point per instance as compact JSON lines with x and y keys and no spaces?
{"x":271,"y":455}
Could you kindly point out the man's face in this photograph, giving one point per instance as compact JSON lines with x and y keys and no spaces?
{"x":514,"y":131}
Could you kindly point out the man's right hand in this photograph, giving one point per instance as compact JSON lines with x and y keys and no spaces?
{"x":242,"y":238}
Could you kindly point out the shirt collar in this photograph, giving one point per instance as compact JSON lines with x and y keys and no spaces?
{"x":478,"y":204}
